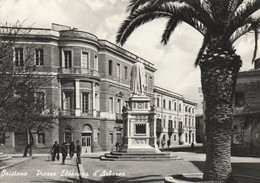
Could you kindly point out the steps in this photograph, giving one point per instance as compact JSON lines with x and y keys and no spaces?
{"x":4,"y":157}
{"x":138,"y":156}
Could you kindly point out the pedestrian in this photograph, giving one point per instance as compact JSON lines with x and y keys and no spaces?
{"x":64,"y":153}
{"x":55,"y":151}
{"x":78,"y":151}
{"x":192,"y":146}
{"x":117,"y":146}
{"x":163,"y":142}
{"x":168,"y":143}
{"x":158,"y":142}
{"x":72,"y":149}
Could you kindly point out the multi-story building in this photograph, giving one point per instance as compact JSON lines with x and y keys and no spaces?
{"x":175,"y":117}
{"x":91,"y":83}
{"x":246,"y":112}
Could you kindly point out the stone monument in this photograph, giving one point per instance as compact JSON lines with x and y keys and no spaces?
{"x":138,"y":119}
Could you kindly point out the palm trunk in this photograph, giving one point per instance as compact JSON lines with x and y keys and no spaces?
{"x":218,"y":78}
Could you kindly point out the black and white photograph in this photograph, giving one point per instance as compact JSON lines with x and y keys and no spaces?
{"x":129,"y":91}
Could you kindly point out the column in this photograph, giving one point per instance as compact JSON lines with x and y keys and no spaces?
{"x":94,"y":100}
{"x":77,"y":98}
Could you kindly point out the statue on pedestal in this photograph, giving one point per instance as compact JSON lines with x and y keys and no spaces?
{"x":137,"y":82}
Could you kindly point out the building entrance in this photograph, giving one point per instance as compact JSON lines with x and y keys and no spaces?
{"x":86,"y":142}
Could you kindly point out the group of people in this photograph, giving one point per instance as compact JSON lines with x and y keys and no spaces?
{"x":56,"y":149}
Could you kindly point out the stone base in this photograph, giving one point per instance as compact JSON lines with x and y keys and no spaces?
{"x":138,"y":156}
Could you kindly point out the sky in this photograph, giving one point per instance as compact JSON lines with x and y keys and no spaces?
{"x":174,"y":62}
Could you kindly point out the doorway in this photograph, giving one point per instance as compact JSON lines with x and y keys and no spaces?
{"x":86,"y":139}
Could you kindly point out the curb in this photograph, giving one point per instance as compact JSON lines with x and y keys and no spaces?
{"x":15,"y":163}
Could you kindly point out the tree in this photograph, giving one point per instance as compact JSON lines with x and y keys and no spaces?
{"x":21,"y":109}
{"x":221,"y":22}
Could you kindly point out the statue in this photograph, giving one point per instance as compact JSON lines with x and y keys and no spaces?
{"x":137,"y":82}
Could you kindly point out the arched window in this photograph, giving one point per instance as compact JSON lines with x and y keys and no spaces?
{"x":68,"y":135}
{"x":86,"y":129}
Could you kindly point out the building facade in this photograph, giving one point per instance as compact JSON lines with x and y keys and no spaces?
{"x":246,"y":113}
{"x":175,"y":118}
{"x":91,"y":84}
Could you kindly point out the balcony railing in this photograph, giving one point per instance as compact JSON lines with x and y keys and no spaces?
{"x":180,"y":130}
{"x":119,"y":117}
{"x":159,"y":129}
{"x":172,"y":130}
{"x":75,"y":112}
{"x":73,"y":70}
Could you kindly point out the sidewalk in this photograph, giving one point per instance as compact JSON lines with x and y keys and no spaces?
{"x":40,"y":169}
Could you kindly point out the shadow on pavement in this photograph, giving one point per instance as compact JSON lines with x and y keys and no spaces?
{"x":242,"y":172}
{"x":116,"y":179}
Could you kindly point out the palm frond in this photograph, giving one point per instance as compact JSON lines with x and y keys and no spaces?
{"x":147,"y":14}
{"x":202,"y":49}
{"x":256,"y":44}
{"x":170,"y":27}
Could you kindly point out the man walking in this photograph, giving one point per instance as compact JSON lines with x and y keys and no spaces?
{"x":55,"y":150}
{"x":64,"y":153}
{"x":78,"y":151}
{"x":72,"y":149}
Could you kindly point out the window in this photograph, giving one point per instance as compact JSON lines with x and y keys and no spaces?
{"x":19,"y":57}
{"x":118,"y":105}
{"x":146,"y":82}
{"x":67,"y":105}
{"x":158,"y":102}
{"x":140,"y":129}
{"x":180,"y":125}
{"x":67,"y":59}
{"x":39,"y":96}
{"x":151,"y":83}
{"x":170,"y":124}
{"x":84,"y":102}
{"x":41,"y":138}
{"x":68,"y":135}
{"x":185,"y":121}
{"x":84,"y":60}
{"x":164,"y":103}
{"x":174,"y":137}
{"x":170,"y":105}
{"x":96,"y":63}
{"x":110,"y":67}
{"x":180,"y":107}
{"x":239,"y":99}
{"x":175,"y":106}
{"x":118,"y":70}
{"x":111,"y":138}
{"x":192,"y":110}
{"x":186,"y":137}
{"x":39,"y":57}
{"x":126,"y":73}
{"x":111,"y":105}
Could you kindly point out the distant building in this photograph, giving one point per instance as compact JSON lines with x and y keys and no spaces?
{"x":200,"y":128}
{"x":246,"y":112}
{"x":175,"y":117}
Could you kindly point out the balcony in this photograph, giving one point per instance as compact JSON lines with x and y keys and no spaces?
{"x":180,"y":130}
{"x":159,"y":129}
{"x":172,"y":130}
{"x":79,"y":71}
{"x":80,"y":113}
{"x":119,"y":117}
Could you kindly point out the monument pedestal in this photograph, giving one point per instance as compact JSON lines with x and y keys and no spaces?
{"x":139,"y":126}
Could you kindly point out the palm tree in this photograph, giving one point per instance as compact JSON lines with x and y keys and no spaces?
{"x":221,"y":22}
